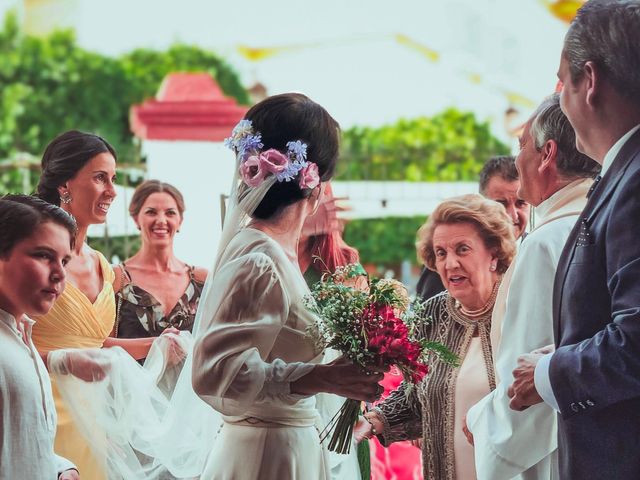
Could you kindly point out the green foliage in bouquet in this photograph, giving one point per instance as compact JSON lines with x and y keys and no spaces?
{"x":372,"y":322}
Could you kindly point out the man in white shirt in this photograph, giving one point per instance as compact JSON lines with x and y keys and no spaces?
{"x":592,"y":377}
{"x":555,"y":179}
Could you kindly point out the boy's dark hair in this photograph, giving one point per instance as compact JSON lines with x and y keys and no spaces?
{"x":21,"y":215}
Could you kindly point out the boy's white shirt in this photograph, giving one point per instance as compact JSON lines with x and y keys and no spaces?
{"x":28,"y":428}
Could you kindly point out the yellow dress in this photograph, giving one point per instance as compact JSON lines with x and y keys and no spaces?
{"x":75,"y":322}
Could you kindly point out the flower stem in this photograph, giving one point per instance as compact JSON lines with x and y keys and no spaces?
{"x":342,"y":427}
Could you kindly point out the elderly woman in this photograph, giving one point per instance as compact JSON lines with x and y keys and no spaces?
{"x":469,"y":241}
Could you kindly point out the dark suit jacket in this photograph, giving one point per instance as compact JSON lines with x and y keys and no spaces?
{"x":429,"y":284}
{"x":595,"y":372}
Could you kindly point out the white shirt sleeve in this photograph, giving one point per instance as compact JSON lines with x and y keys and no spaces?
{"x":543,"y":382}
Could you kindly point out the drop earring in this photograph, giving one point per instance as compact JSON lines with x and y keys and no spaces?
{"x":65,"y":198}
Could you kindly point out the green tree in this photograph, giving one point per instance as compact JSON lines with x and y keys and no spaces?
{"x":384,"y":241}
{"x":450,"y":146}
{"x":49,"y":85}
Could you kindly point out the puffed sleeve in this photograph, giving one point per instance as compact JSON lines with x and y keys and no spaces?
{"x":401,"y":416}
{"x":243,"y":313}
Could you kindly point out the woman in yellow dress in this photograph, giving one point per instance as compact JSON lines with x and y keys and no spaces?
{"x":78,"y":173}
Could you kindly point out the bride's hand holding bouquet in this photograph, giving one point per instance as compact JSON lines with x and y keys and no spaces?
{"x":343,"y":378}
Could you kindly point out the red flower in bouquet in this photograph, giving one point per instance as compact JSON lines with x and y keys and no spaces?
{"x":375,"y":326}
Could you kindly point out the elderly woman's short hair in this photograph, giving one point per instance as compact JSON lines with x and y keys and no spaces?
{"x":488,"y":217}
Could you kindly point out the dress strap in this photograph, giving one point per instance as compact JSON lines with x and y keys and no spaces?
{"x":108,"y":275}
{"x":125,"y":275}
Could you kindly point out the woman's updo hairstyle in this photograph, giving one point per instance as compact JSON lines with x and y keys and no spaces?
{"x":289,"y":117}
{"x":64,"y":157}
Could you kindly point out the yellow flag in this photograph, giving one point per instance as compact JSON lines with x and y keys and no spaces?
{"x":422,"y":49}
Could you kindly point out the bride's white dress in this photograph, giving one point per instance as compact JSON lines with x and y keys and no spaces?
{"x":246,"y":354}
{"x":251,"y":342}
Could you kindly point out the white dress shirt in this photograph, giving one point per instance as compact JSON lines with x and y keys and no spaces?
{"x":509,"y":444}
{"x":26,"y":407}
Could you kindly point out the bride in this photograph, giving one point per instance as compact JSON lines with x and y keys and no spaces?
{"x":253,"y":361}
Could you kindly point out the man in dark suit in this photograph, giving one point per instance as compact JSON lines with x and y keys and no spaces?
{"x":499,"y":182}
{"x":593,"y":377}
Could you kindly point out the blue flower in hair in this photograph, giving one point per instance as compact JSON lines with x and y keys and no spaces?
{"x":290,"y":172}
{"x":249,"y":143}
{"x":243,"y":140}
{"x":242,"y":129}
{"x":297,"y":149}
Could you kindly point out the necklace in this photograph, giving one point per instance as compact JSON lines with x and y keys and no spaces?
{"x":482,"y":310}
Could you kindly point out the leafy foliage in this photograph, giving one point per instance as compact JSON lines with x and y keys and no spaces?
{"x":49,"y":85}
{"x":384,"y":241}
{"x":123,"y":247}
{"x":450,"y":146}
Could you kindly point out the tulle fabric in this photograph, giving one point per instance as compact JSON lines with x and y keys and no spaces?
{"x":134,"y":421}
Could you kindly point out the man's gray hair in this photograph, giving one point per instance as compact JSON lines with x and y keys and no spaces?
{"x":549,"y":123}
{"x":607,"y":32}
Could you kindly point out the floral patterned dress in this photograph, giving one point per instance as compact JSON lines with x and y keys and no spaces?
{"x":139,"y":314}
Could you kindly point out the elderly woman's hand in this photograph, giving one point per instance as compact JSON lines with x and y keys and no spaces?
{"x":367,"y":426}
{"x":362,"y":430}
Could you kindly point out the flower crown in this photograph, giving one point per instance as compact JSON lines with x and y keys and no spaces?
{"x":256,"y":166}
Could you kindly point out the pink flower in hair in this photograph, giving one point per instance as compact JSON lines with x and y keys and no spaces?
{"x":273,"y":161}
{"x":309,"y":177}
{"x":253,"y":171}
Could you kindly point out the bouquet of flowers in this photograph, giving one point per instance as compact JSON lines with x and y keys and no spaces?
{"x":373,"y":323}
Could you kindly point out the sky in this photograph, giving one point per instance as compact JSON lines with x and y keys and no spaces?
{"x":359,"y":59}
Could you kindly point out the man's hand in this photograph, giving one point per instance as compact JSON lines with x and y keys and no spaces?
{"x":71,"y":474}
{"x":544,"y":350}
{"x":522,"y":391}
{"x":466,"y":431}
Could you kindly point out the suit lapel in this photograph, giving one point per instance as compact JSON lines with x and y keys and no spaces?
{"x":561,"y":275}
{"x":598,"y":198}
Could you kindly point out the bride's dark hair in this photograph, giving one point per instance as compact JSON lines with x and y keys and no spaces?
{"x":289,"y":117}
